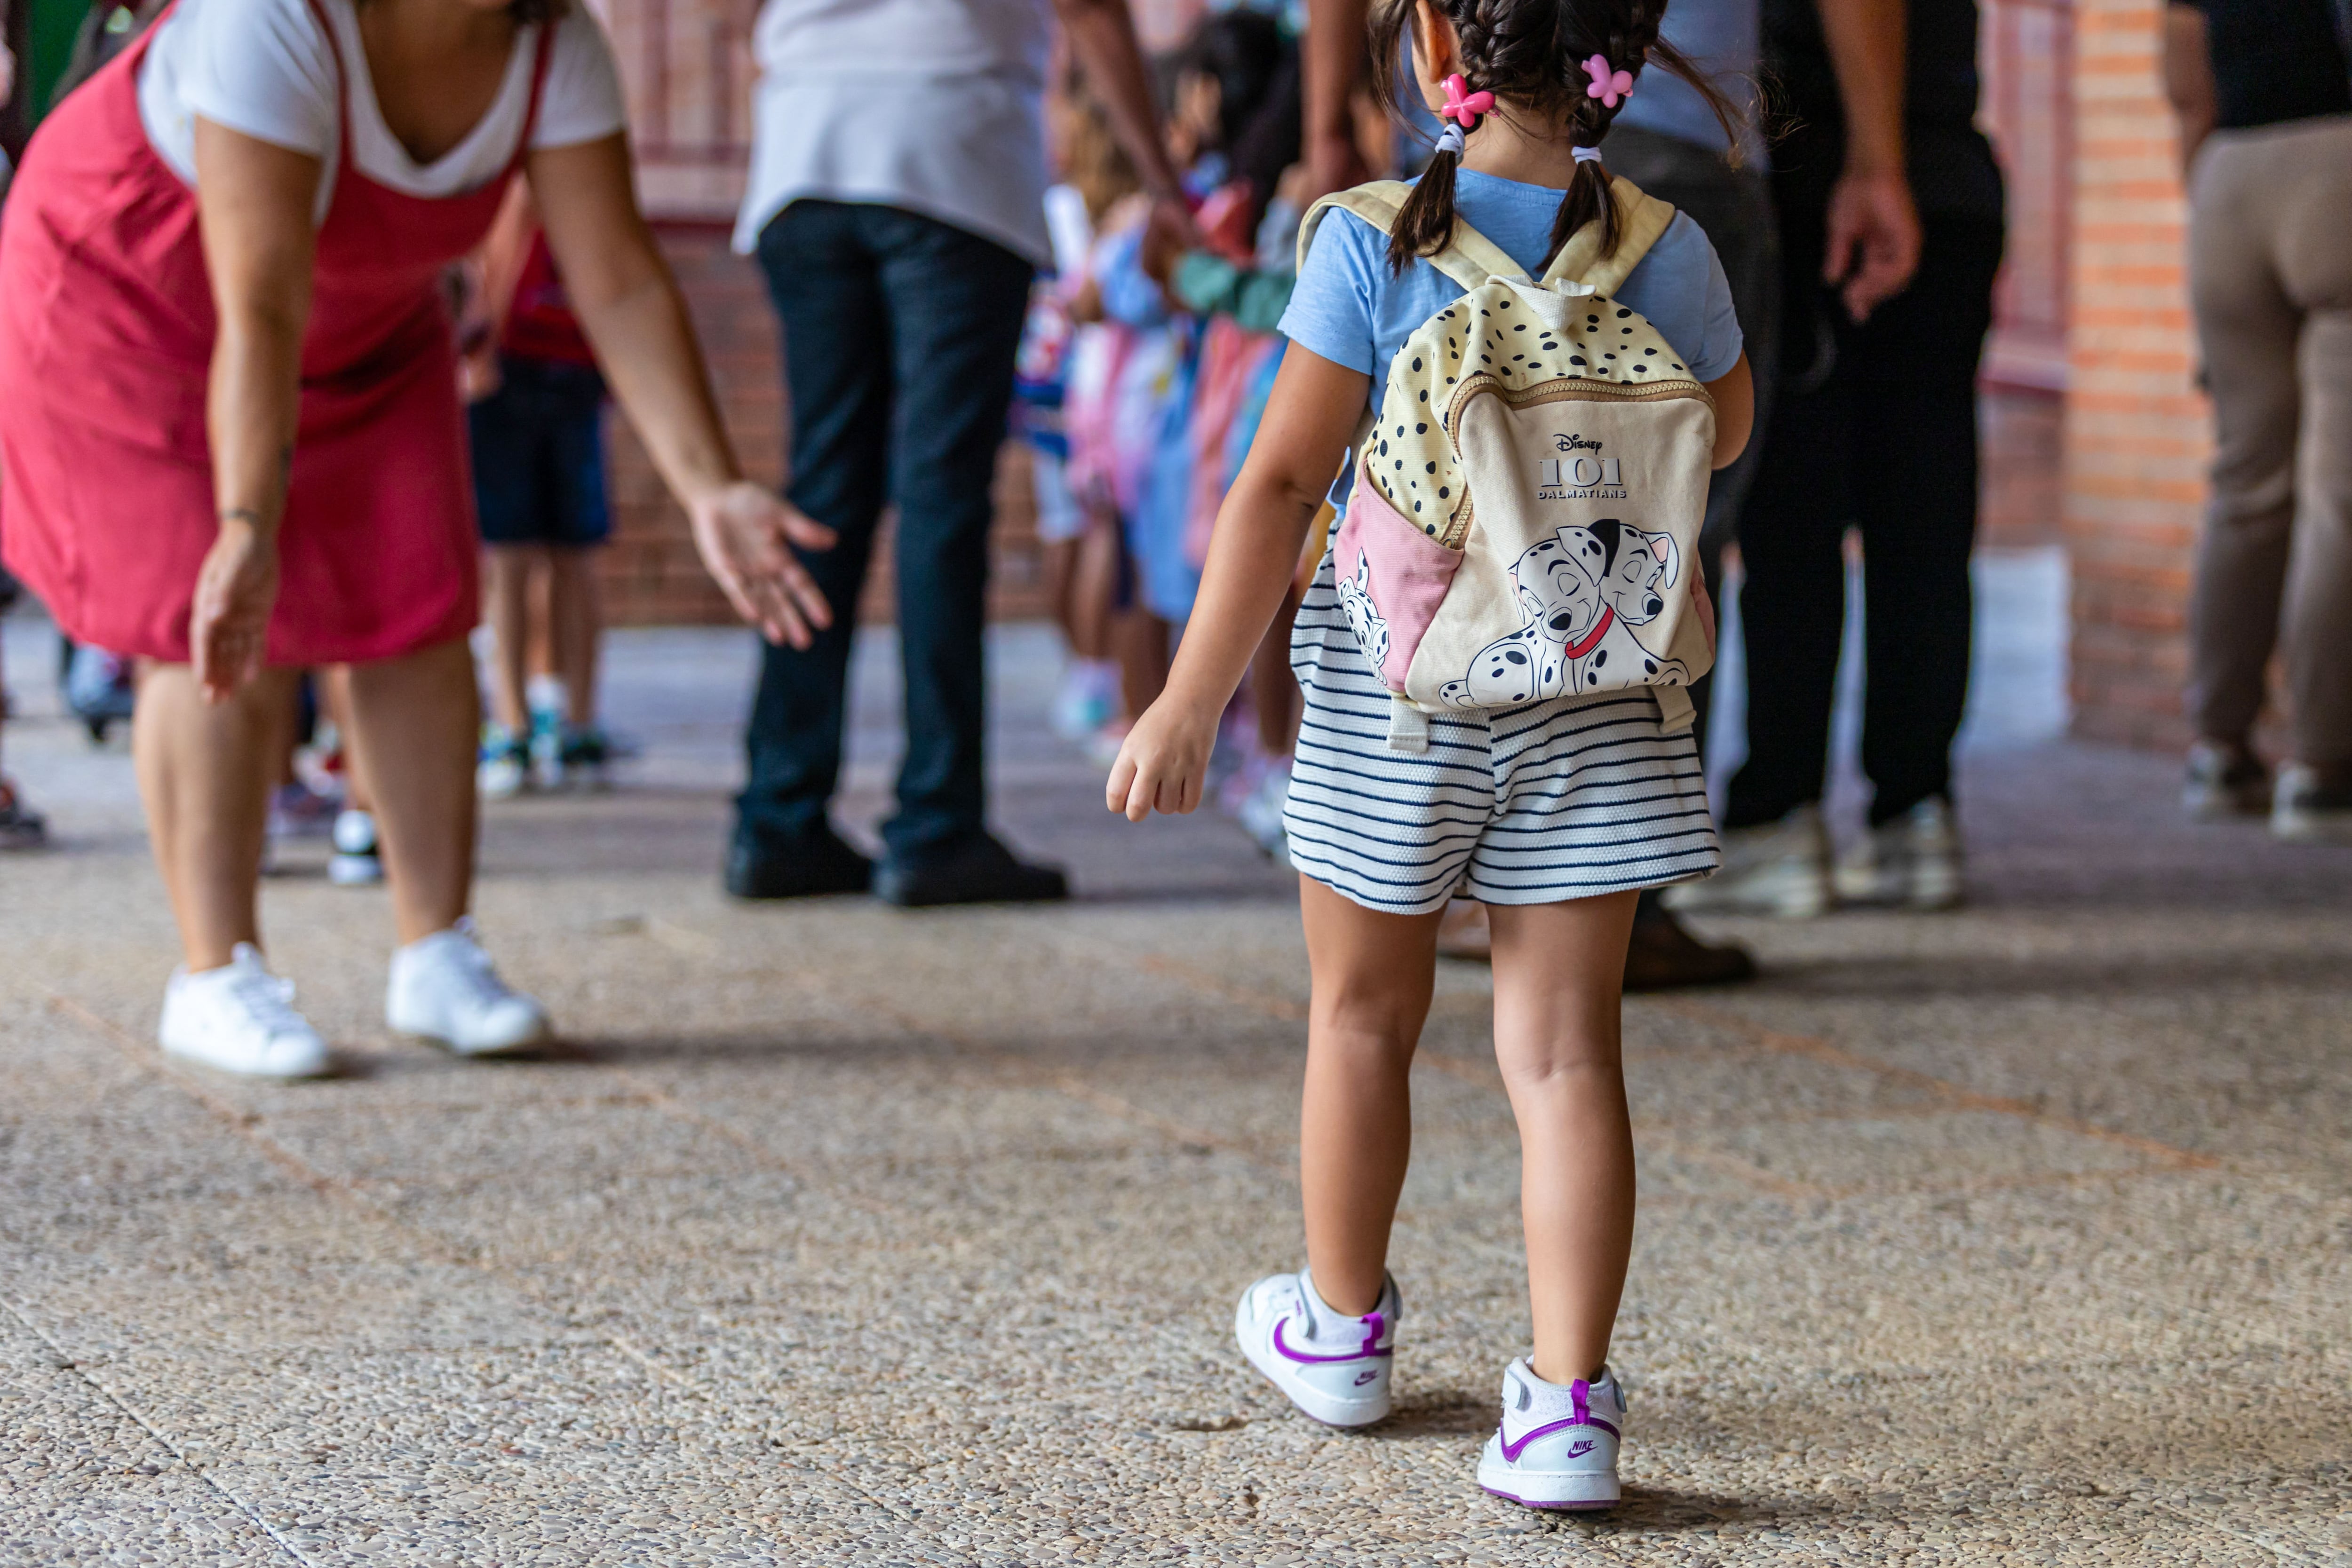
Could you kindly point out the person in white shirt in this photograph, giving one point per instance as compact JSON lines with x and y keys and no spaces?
{"x":896,"y":204}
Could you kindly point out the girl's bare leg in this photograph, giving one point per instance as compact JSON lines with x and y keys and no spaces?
{"x":205,"y":775}
{"x":1373,"y":974}
{"x":1275,"y":697}
{"x":412,"y":721}
{"x":1560,"y":971}
{"x":1094,"y":585}
{"x":505,"y":593}
{"x":575,"y":614}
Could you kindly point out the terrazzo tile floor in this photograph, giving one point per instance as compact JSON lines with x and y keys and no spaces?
{"x":839,"y":1235}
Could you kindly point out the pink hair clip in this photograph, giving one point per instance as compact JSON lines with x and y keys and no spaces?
{"x":1464,"y":107}
{"x":1608,"y":87}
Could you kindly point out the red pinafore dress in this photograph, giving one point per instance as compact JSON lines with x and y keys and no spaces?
{"x":106,"y":340}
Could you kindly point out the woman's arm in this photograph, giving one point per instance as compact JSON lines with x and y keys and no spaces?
{"x":1254,"y":552}
{"x":635,"y":319}
{"x":2189,"y":76}
{"x":254,"y":216}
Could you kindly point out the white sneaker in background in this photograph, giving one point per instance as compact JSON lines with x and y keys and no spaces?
{"x":1332,"y":1366}
{"x":240,"y":1018}
{"x":2304,"y":810}
{"x":505,"y":768}
{"x":1088,"y":698}
{"x":1913,"y":861}
{"x":1259,"y":810}
{"x":357,"y":861}
{"x":445,"y":988}
{"x":2224,"y":781}
{"x":1778,"y":867}
{"x":1557,"y":1446}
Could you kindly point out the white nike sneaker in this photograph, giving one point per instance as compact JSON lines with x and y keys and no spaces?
{"x":1332,"y":1366}
{"x":240,"y":1018}
{"x":1775,"y":868}
{"x":446,"y":989}
{"x":1913,"y":861}
{"x":1557,"y":1446}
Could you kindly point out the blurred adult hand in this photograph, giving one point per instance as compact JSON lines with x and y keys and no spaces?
{"x":745,"y":533}
{"x":1333,"y":162}
{"x":236,"y":587}
{"x":1874,"y":239}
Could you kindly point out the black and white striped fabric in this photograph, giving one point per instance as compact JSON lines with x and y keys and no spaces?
{"x":1567,"y":799}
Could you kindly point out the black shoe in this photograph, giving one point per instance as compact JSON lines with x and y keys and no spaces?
{"x":976,"y":870}
{"x":808,"y":868}
{"x":1664,"y":957}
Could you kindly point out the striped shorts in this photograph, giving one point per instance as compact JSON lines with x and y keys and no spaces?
{"x":1559,"y":800}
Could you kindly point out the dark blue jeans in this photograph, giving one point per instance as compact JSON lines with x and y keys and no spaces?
{"x":899,"y":337}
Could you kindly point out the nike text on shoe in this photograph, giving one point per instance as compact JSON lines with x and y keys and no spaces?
{"x":445,"y":988}
{"x":1775,"y":868}
{"x":240,"y":1018}
{"x":1557,"y":1446}
{"x":1332,"y":1366}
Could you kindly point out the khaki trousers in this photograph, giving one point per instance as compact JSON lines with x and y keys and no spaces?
{"x":2270,"y":263}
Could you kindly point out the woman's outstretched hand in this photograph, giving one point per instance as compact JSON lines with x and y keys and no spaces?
{"x":744,"y":532}
{"x":1162,"y":764}
{"x":229,"y":626}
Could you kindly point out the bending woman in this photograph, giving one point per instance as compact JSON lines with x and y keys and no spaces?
{"x":230,"y":441}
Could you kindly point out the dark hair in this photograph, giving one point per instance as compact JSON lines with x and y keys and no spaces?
{"x":1255,"y":66}
{"x":1530,"y":55}
{"x":526,"y":12}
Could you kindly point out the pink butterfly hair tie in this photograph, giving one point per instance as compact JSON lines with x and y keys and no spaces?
{"x":1464,"y":107}
{"x":1610,"y":88}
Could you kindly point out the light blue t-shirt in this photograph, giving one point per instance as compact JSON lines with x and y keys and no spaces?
{"x":1349,"y":307}
{"x":1722,"y":38}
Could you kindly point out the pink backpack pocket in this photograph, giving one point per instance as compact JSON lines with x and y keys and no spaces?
{"x":1392,"y":577}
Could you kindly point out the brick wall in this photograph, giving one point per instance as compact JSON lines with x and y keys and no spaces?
{"x":2137,"y":435}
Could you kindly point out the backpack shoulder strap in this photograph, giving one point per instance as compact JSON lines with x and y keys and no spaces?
{"x":1471,"y":260}
{"x":1641,"y":221}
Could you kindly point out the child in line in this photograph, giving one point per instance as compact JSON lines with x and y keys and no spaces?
{"x":1554,"y":813}
{"x":536,"y":419}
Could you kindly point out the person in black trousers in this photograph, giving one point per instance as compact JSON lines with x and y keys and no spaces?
{"x":1876,"y":429}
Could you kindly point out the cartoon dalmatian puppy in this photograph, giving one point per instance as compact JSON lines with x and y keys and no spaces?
{"x":1364,"y":617}
{"x":1557,"y":593}
{"x":1633,"y":572}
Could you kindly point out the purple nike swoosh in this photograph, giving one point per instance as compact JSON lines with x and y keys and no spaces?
{"x":1288,"y":1353}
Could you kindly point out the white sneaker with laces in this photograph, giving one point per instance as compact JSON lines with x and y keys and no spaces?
{"x":1913,"y":861}
{"x":1775,"y":868}
{"x":446,"y":989}
{"x":240,"y":1018}
{"x":1556,"y":1445}
{"x":1332,"y":1366}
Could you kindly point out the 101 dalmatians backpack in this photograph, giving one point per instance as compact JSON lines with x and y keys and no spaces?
{"x":1527,"y":500}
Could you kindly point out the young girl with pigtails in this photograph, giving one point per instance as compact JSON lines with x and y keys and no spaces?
{"x":1555,"y":801}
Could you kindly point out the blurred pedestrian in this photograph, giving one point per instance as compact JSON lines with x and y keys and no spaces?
{"x":896,"y":204}
{"x":230,"y":441}
{"x":2264,"y":92}
{"x":1875,"y":427}
{"x":536,"y":418}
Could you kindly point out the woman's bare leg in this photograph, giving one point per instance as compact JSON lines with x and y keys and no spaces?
{"x":1373,"y":976}
{"x":1560,"y":971}
{"x":413,"y":720}
{"x":575,"y":614}
{"x":506,"y":594}
{"x":205,"y":775}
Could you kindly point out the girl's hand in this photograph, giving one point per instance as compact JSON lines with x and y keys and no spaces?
{"x":1162,"y":763}
{"x":229,"y":626}
{"x":744,"y":532}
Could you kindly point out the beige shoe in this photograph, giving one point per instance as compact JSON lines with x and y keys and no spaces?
{"x":1913,"y":861}
{"x":1780,"y":868}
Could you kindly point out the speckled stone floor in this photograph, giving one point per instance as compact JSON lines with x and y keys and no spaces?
{"x":838,"y":1235}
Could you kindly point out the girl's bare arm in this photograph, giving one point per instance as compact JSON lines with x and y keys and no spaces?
{"x":1253,"y":555}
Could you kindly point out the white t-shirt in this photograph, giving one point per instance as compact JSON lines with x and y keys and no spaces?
{"x":935,"y":106}
{"x":265,"y":67}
